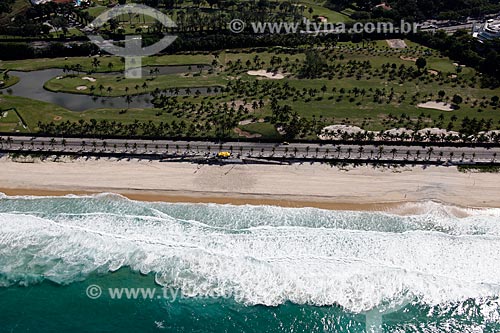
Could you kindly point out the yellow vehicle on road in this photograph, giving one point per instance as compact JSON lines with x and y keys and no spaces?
{"x":224,"y":154}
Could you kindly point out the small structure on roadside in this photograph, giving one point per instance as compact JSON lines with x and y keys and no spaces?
{"x":75,"y":2}
{"x":383,"y":6}
{"x":489,"y":31}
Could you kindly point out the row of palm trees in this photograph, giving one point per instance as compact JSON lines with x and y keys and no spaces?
{"x":337,"y":152}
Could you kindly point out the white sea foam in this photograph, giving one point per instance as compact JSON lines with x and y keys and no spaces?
{"x":258,"y":254}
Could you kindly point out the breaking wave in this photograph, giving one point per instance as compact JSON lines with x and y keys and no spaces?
{"x":427,"y":253}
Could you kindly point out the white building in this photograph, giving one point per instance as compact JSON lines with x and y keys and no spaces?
{"x":490,"y":30}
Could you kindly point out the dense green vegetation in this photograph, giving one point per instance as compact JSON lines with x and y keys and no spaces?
{"x":368,"y":85}
{"x":7,"y":80}
{"x":6,"y":6}
{"x":417,"y":10}
{"x":108,"y":85}
{"x":274,"y":86}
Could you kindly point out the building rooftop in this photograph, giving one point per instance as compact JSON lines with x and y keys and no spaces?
{"x":490,"y":30}
{"x":38,"y":2}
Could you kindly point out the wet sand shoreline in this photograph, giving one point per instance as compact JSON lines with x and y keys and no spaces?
{"x":320,"y":186}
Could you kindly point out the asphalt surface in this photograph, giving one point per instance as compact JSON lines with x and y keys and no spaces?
{"x":241,"y":150}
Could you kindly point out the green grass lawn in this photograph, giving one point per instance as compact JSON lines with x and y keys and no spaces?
{"x":361,"y":111}
{"x":119,"y":84}
{"x":96,"y":11}
{"x":117,"y":63}
{"x":226,"y":57}
{"x":320,"y":10}
{"x":267,"y":130}
{"x":9,"y":121}
{"x":348,"y":11}
{"x":12,"y":80}
{"x":18,"y":7}
{"x":34,"y":111}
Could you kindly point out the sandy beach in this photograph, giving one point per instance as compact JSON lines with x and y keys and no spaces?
{"x":322,"y":186}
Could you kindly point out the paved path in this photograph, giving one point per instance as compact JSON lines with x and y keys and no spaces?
{"x":205,"y":150}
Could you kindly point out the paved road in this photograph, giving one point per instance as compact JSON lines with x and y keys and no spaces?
{"x":204,"y":150}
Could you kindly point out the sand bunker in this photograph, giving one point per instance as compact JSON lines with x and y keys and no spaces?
{"x":269,"y":75}
{"x":408,"y":58}
{"x":335,"y":132}
{"x":245,"y":134}
{"x":396,"y":43}
{"x":436,"y":131}
{"x":80,"y":88}
{"x":245,"y":122}
{"x":436,"y":106}
{"x":251,"y":121}
{"x":91,"y":79}
{"x":433,"y":72}
{"x":57,"y":118}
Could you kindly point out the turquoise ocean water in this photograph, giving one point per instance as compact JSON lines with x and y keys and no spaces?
{"x":222,"y":268}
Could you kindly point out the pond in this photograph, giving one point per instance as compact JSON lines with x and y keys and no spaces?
{"x":31,"y":86}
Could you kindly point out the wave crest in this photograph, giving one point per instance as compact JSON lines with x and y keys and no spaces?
{"x":256,"y":254}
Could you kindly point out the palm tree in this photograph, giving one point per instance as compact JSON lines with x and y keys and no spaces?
{"x":380,"y":151}
{"x":361,"y":149}
{"x":128,"y":99}
{"x":95,"y":63}
{"x":430,"y":151}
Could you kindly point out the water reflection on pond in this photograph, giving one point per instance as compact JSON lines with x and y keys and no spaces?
{"x":31,"y":86}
